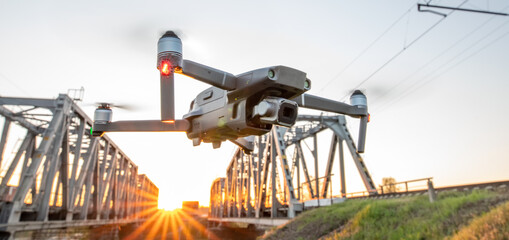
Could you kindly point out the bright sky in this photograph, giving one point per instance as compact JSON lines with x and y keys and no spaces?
{"x":439,"y":109}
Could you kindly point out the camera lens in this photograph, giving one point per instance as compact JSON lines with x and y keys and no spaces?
{"x":287,"y":114}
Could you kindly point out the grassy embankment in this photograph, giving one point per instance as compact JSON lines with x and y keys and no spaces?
{"x":454,"y":215}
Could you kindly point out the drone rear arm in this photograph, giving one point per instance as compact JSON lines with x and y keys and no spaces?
{"x":324,"y":104}
{"x":206,"y":74}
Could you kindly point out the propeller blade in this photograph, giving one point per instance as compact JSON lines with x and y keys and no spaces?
{"x":127,"y":107}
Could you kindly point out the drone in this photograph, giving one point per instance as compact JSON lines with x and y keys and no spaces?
{"x":235,"y":106}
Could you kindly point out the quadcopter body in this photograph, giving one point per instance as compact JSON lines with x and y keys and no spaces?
{"x":260,"y":100}
{"x":236,"y":106}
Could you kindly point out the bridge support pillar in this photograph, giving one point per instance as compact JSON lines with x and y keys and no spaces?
{"x":431,"y":191}
{"x":294,"y":207}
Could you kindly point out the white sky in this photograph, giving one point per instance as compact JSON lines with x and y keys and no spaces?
{"x":452,"y":128}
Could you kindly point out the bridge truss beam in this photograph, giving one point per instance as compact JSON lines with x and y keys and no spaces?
{"x":252,"y":187}
{"x":58,"y":173}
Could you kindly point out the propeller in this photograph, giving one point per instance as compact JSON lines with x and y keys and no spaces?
{"x":141,"y":37}
{"x":107,"y":105}
{"x":177,"y":31}
{"x":193,"y":44}
{"x":374,"y":92}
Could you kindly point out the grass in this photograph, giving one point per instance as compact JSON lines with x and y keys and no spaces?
{"x":493,"y":225}
{"x":405,"y":218}
{"x":317,"y":222}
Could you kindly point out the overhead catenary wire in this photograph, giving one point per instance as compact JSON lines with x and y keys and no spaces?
{"x":2,"y":76}
{"x":367,"y":48}
{"x":400,"y":52}
{"x":13,"y":84}
{"x":460,"y":40}
{"x":419,"y":7}
{"x":444,"y":72}
{"x":420,"y":84}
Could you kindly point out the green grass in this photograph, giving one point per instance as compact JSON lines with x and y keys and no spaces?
{"x":411,"y":219}
{"x":492,"y":225}
{"x":405,"y":218}
{"x":318,"y":222}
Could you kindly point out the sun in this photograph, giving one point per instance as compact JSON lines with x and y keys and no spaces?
{"x":169,"y":203}
{"x":177,"y":223}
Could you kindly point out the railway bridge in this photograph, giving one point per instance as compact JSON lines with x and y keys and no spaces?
{"x":273,"y":184}
{"x":58,"y":177}
{"x":265,"y":188}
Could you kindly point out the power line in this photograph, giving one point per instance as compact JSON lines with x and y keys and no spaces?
{"x":430,"y":79}
{"x":367,"y":48}
{"x":400,"y":52}
{"x":16,"y":86}
{"x":466,"y":36}
{"x":419,"y":6}
{"x":13,"y":84}
{"x":453,"y":58}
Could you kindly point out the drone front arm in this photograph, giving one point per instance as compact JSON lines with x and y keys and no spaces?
{"x":140,"y":126}
{"x":328,"y":105}
{"x":206,"y":74}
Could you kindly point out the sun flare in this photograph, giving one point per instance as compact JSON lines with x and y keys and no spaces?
{"x":164,"y":224}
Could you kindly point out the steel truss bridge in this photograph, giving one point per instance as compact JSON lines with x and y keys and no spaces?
{"x":265,"y":187}
{"x":57,"y":176}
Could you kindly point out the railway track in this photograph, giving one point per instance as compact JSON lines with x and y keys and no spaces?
{"x":498,"y":185}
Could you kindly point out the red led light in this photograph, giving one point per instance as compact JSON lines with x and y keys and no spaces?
{"x":165,"y":68}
